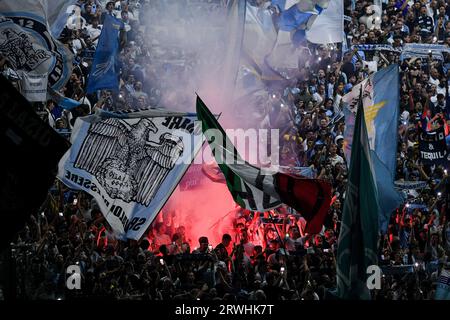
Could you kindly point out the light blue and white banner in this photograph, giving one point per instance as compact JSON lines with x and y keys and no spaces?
{"x":423,"y":50}
{"x":130,"y":163}
{"x":26,"y":41}
{"x":410,"y":185}
{"x":375,"y":47}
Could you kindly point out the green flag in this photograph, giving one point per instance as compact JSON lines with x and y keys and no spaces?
{"x":256,"y":190}
{"x":357,"y":245}
{"x":239,"y":175}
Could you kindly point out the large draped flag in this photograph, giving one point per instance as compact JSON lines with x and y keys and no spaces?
{"x":130,"y":163}
{"x":329,"y":25}
{"x":105,"y":70}
{"x":26,"y":41}
{"x":58,"y":12}
{"x":380,"y":101}
{"x":24,"y":138}
{"x":294,"y":19}
{"x":301,"y":15}
{"x":251,"y":36}
{"x":256,"y":191}
{"x":259,"y":38}
{"x":234,"y":39}
{"x":260,"y":33}
{"x":357,"y":244}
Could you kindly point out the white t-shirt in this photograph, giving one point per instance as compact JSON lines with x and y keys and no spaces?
{"x":77,"y":45}
{"x":94,"y":32}
{"x":317,"y":97}
{"x":433,"y":81}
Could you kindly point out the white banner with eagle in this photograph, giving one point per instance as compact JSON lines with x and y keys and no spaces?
{"x":130,"y":163}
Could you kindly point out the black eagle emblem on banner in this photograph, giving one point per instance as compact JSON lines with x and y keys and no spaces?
{"x":125,"y":162}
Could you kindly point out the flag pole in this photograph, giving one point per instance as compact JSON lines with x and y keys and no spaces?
{"x":278,"y":233}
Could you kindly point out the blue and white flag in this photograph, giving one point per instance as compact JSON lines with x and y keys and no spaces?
{"x":60,"y":100}
{"x":130,"y":163}
{"x":260,"y":34}
{"x":422,"y":50}
{"x":380,"y":100}
{"x":443,"y":286}
{"x":58,"y":12}
{"x":26,"y":41}
{"x":328,"y":27}
{"x":234,"y":39}
{"x":410,"y":185}
{"x":279,"y":4}
{"x":297,"y":17}
{"x":375,"y":47}
{"x":104,"y":73}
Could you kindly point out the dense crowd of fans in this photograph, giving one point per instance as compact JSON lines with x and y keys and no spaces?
{"x":268,"y":255}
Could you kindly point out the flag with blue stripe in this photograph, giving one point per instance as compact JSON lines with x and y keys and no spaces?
{"x":104,"y":73}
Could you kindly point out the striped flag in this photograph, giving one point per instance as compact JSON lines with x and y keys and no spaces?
{"x":443,"y":286}
{"x":357,"y":244}
{"x":254,"y":190}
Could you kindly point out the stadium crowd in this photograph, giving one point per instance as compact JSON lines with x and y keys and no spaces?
{"x":268,"y":256}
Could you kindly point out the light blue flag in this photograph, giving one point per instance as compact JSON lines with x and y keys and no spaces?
{"x":63,"y":102}
{"x":104,"y":73}
{"x":281,"y":4}
{"x":57,"y":14}
{"x":293,"y":23}
{"x":293,"y":19}
{"x":386,"y":94}
{"x":26,"y":40}
{"x":381,"y":115}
